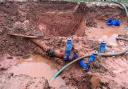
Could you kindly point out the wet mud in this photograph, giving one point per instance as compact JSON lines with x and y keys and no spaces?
{"x":56,"y":21}
{"x":37,"y":66}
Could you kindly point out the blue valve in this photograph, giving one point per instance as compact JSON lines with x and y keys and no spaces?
{"x":84,"y":66}
{"x":102,"y":47}
{"x":112,"y":22}
{"x":68,"y":49}
{"x":91,"y":58}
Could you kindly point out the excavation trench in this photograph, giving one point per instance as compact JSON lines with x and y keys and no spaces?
{"x":56,"y":21}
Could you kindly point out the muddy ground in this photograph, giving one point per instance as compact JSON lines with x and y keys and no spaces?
{"x":57,"y":21}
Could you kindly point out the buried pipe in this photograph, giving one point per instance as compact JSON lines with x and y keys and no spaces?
{"x":55,"y":53}
{"x":86,"y":56}
{"x":49,"y":51}
{"x":52,"y":53}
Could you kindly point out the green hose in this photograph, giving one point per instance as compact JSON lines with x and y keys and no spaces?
{"x":64,"y":67}
{"x":86,"y":56}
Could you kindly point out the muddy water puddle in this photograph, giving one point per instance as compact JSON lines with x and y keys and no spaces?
{"x":37,"y":66}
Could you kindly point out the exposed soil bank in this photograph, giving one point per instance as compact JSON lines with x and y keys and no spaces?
{"x":37,"y":18}
{"x":57,"y":21}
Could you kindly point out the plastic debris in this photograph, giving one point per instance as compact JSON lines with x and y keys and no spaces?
{"x":113,"y":22}
{"x":68,"y":49}
{"x":102,"y":47}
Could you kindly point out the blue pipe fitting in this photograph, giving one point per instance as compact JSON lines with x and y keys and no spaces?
{"x":75,"y":56}
{"x":91,"y":59}
{"x":68,"y":49}
{"x":102,"y":47}
{"x":112,"y":22}
{"x":84,"y":66}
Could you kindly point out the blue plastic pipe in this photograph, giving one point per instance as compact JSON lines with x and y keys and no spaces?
{"x":75,"y":56}
{"x":84,"y":66}
{"x":68,"y":49}
{"x":91,"y":59}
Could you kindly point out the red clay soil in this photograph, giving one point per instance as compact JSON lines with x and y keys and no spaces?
{"x":52,"y":19}
{"x":32,"y":19}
